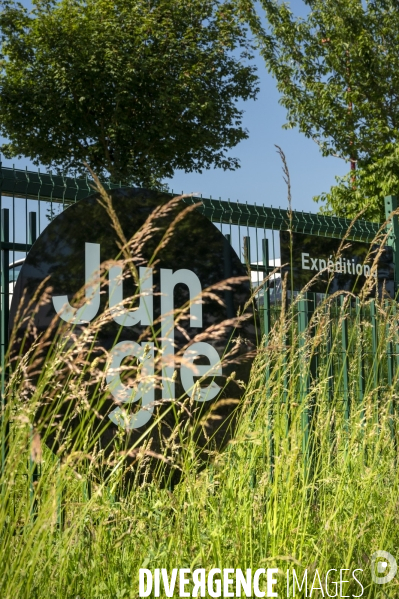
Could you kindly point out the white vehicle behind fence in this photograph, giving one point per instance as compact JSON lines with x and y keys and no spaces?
{"x":14,"y":269}
{"x":273,"y":283}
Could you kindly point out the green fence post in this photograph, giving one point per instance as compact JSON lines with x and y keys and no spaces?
{"x":391,"y":204}
{"x":330,"y":364}
{"x":266,"y":291}
{"x":306,"y":306}
{"x":395,"y":359}
{"x":5,"y":302}
{"x":374,"y":348}
{"x":266,"y":330}
{"x":345,"y":360}
{"x":359,"y":327}
{"x":391,"y":376}
{"x":34,"y":467}
{"x":330,"y":313}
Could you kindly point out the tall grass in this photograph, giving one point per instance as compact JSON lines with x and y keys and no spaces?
{"x":269,"y":499}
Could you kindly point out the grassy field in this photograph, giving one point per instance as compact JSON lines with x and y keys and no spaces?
{"x":328,"y":507}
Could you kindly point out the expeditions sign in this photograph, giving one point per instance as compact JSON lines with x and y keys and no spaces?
{"x":152,"y":277}
{"x":334,"y":265}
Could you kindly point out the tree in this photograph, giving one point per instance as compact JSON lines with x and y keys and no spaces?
{"x":136,"y":88}
{"x":338,"y":74}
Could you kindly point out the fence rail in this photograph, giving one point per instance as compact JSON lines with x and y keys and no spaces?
{"x":46,"y":187}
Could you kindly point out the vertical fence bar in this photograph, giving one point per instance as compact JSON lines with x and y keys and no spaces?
{"x":303,"y":380}
{"x":396,"y":341}
{"x":313,"y":366}
{"x":266,"y":288}
{"x":32,"y":229}
{"x":330,"y":364}
{"x":247,"y":262}
{"x":228,"y":295}
{"x":266,"y":330}
{"x":391,"y":204}
{"x":359,"y":328}
{"x":34,"y":466}
{"x":375,"y":361}
{"x":389,"y":350}
{"x":390,"y":374}
{"x":247,"y":251}
{"x":305,"y":310}
{"x":330,"y":372}
{"x":345,"y":360}
{"x":395,"y":344}
{"x":5,"y":299}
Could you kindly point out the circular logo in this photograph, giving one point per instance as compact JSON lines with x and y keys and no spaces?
{"x":152,"y":309}
{"x":383,"y":567}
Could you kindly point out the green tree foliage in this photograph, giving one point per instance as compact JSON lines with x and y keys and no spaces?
{"x":338,"y":74}
{"x":137,"y":88}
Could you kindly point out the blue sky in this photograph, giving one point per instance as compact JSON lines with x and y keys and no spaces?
{"x":259,"y":180}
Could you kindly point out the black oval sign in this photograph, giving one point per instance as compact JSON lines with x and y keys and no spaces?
{"x":163,"y":322}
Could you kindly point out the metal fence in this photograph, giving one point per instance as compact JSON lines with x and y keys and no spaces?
{"x":30,"y":200}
